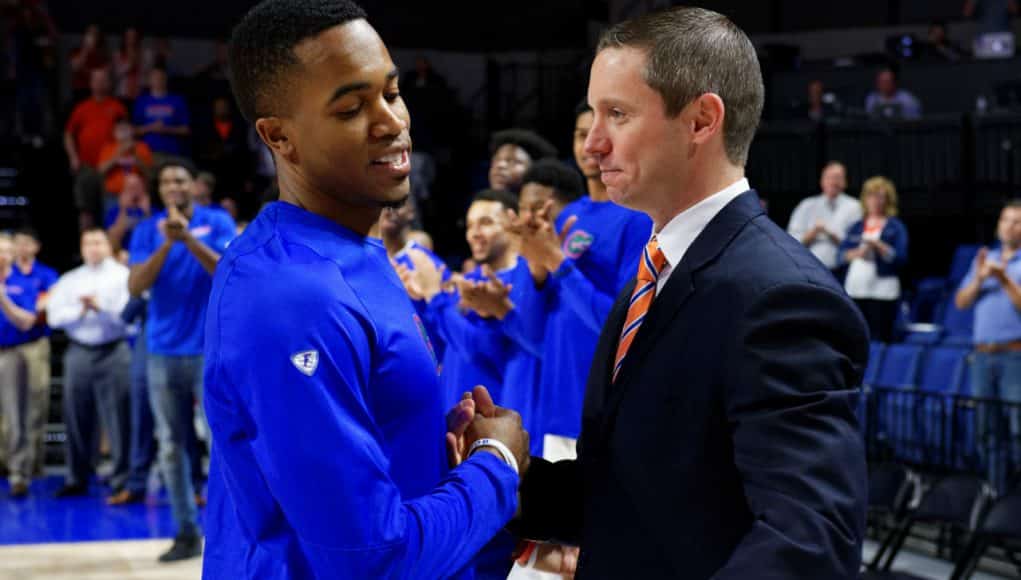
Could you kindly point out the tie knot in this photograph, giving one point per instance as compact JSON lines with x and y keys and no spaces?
{"x":652,"y":262}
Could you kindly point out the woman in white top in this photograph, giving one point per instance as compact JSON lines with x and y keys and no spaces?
{"x":875,"y":249}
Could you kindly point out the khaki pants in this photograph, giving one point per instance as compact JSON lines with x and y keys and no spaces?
{"x":14,"y":399}
{"x":37,"y":358}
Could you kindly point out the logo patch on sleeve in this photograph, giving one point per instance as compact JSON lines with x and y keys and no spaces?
{"x":306,"y":362}
{"x":577,"y":243}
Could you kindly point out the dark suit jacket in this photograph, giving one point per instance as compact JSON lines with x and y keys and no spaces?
{"x":728,"y":447}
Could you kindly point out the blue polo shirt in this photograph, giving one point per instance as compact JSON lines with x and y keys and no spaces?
{"x":996,"y":318}
{"x":328,"y":455}
{"x":40,"y":278}
{"x":172,"y":110}
{"x":177,"y":306}
{"x":23,"y":292}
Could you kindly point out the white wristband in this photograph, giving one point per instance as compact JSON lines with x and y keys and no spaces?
{"x":508,"y":457}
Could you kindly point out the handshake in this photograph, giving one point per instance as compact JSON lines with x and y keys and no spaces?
{"x":476,"y":418}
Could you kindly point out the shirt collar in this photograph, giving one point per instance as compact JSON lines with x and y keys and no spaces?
{"x":677,"y":236}
{"x":321,"y":234}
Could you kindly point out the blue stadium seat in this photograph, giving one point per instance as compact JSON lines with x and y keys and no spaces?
{"x":939,"y":379}
{"x":964,"y":255}
{"x":876,"y":350}
{"x":957,"y":324}
{"x":929,"y":293}
{"x":895,"y":418}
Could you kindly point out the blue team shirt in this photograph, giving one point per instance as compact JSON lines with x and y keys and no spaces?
{"x":328,"y":429}
{"x":602,"y":251}
{"x":177,"y":306}
{"x":40,"y":278}
{"x":23,"y":292}
{"x":172,"y":110}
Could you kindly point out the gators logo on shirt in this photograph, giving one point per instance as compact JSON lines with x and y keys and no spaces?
{"x":577,"y":242}
{"x":428,"y":343}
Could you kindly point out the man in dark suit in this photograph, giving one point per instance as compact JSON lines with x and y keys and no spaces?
{"x":719,"y":438}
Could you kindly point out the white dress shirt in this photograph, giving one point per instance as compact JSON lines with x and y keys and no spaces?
{"x":838,"y":215}
{"x":107,"y":282}
{"x":677,"y":236}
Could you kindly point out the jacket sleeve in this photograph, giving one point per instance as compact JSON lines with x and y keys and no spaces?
{"x":311,"y":444}
{"x":790,"y":399}
{"x":481,"y":338}
{"x":551,"y":502}
{"x":850,"y":241}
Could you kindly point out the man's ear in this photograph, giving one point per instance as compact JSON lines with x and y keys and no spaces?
{"x":275,"y":133}
{"x":709,"y":114}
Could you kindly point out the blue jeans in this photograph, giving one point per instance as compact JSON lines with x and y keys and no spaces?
{"x":143,"y":446}
{"x":998,"y":376}
{"x":175,"y":388}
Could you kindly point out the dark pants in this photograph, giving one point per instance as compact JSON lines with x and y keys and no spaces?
{"x":97,"y":378}
{"x":880,"y":316}
{"x":143,"y":443}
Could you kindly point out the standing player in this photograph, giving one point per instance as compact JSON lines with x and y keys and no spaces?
{"x":322,"y":398}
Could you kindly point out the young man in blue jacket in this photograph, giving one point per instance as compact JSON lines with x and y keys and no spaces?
{"x":323,"y":400}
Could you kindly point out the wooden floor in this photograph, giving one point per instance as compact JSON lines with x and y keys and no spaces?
{"x":122,"y":560}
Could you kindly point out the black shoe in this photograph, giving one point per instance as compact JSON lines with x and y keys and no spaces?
{"x":72,"y":490}
{"x":185,"y":546}
{"x":19,"y":491}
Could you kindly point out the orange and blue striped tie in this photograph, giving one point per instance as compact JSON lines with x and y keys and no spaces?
{"x":649,"y":268}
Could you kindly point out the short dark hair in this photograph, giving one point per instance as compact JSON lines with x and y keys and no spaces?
{"x":28,"y":231}
{"x":181,"y":162}
{"x":691,"y":52}
{"x":262,"y":47}
{"x":565,"y":181}
{"x":1014,"y":203}
{"x":533,"y":143}
{"x":93,"y":230}
{"x":505,"y":198}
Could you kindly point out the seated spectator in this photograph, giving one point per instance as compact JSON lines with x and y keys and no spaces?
{"x":91,"y":55}
{"x":513,"y":151}
{"x":876,"y":248}
{"x":821,"y":221}
{"x":119,"y":157}
{"x":821,"y":105}
{"x":88,"y":129}
{"x":890,"y":102}
{"x":993,"y":289}
{"x":34,"y":43}
{"x":162,"y":119}
{"x":939,"y":47}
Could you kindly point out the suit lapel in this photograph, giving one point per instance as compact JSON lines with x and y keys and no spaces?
{"x":679,"y":288}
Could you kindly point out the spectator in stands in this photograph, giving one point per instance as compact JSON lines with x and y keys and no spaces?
{"x":993,"y":16}
{"x":129,"y":66}
{"x":39,"y":278}
{"x":174,"y":253}
{"x":91,"y":55}
{"x":993,"y":288}
{"x":821,"y":105}
{"x":215,"y":74}
{"x":512,"y":151}
{"x":205,"y":185}
{"x":133,"y":206}
{"x":88,"y":129}
{"x":17,"y":316}
{"x":939,"y":47}
{"x":222,"y":147}
{"x":119,"y":157}
{"x":161,"y":118}
{"x":875,"y":249}
{"x":890,"y":102}
{"x":34,"y":47}
{"x":87,"y":304}
{"x":821,"y":221}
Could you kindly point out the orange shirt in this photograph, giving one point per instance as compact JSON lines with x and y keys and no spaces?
{"x":114,"y":181}
{"x":91,"y":126}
